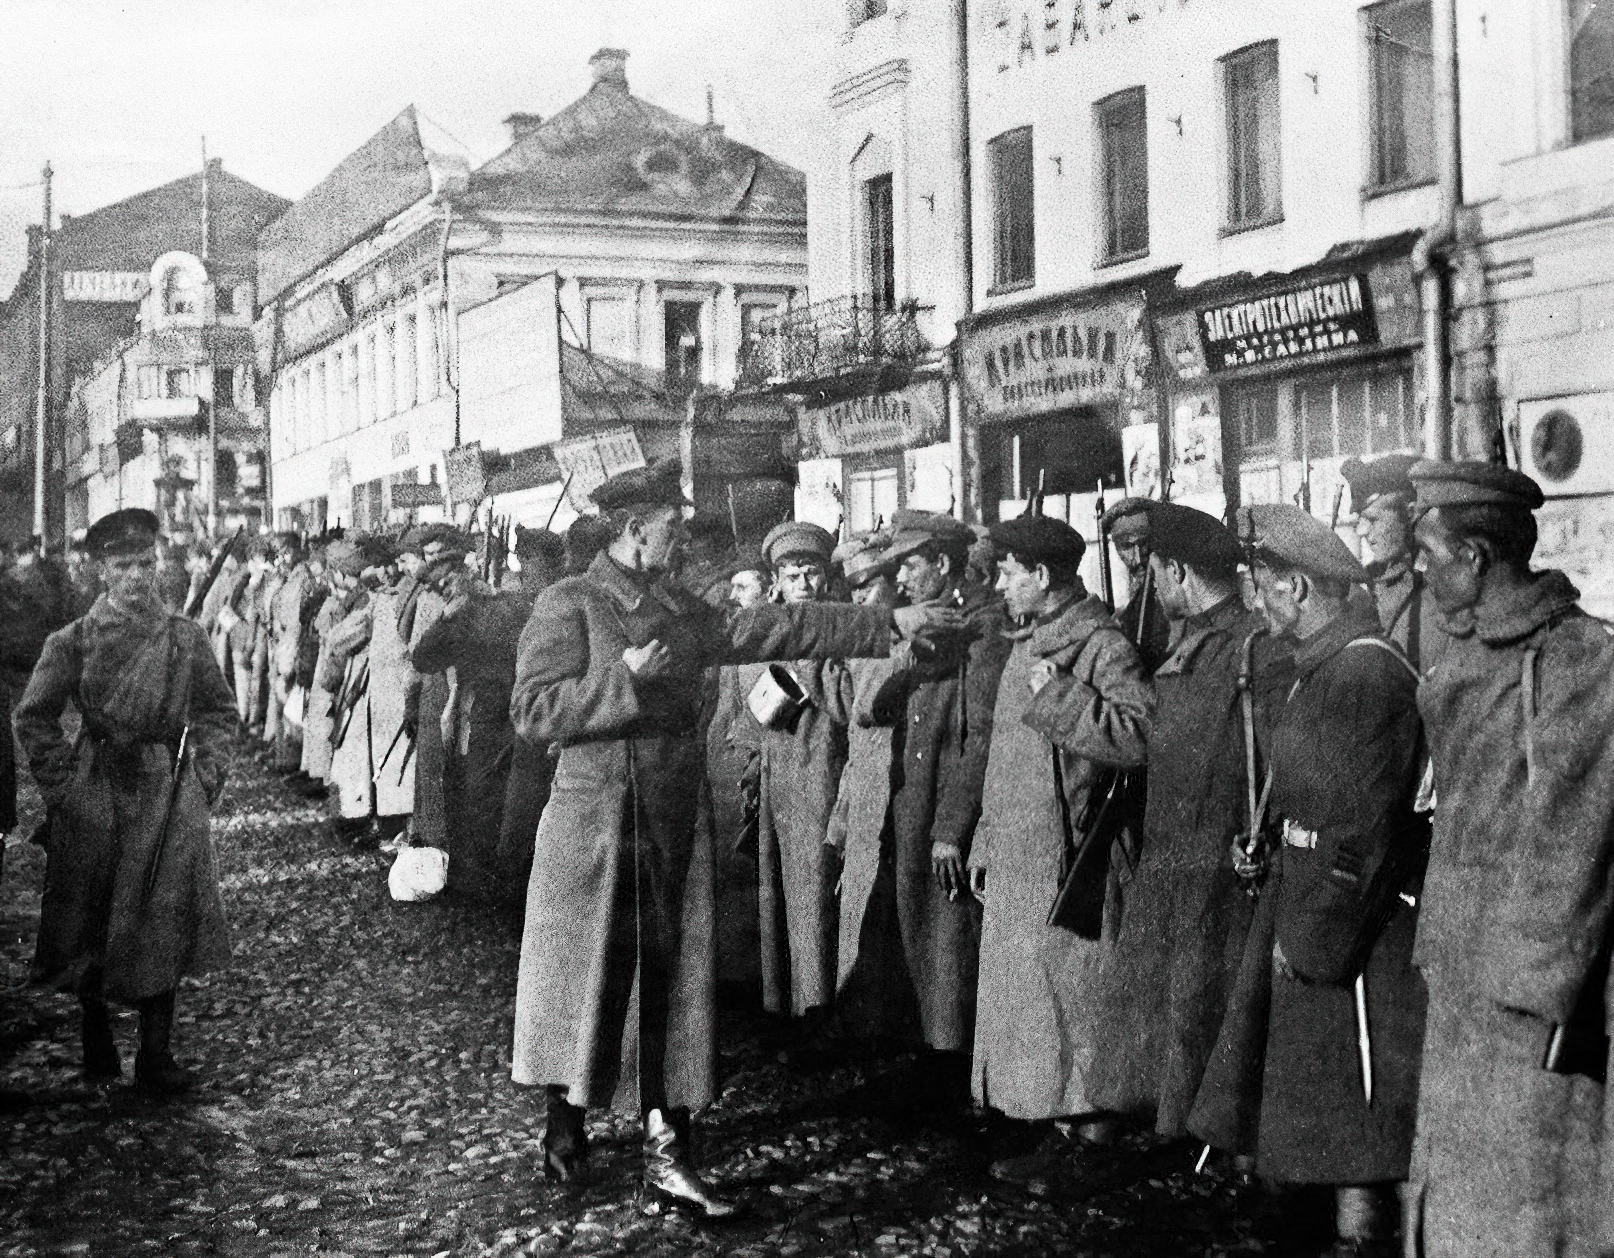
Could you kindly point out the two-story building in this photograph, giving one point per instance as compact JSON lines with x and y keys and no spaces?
{"x":663,"y":242}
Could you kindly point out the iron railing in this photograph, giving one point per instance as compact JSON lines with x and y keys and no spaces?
{"x":829,"y":337}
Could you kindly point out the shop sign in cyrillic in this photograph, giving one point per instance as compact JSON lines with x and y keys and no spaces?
{"x":1311,"y":319}
{"x":116,"y":286}
{"x":1066,"y":357}
{"x":901,"y":419}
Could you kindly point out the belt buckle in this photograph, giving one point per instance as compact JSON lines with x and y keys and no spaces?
{"x":1298,"y":836}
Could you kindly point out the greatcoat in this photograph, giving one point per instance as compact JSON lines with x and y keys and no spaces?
{"x":1347,"y":756}
{"x":137,"y":679}
{"x":1408,"y":613}
{"x":739,"y":942}
{"x":1515,"y":935}
{"x":617,"y":973}
{"x":938,"y":707}
{"x":1184,"y":913}
{"x":373,"y":751}
{"x":317,"y":713}
{"x":425,"y":706}
{"x":800,"y":775}
{"x":285,"y":631}
{"x":1034,"y":1021}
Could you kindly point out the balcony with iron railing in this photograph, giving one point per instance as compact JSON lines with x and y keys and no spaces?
{"x":829,"y":339}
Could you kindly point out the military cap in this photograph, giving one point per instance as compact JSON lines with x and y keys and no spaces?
{"x":1192,"y":537}
{"x":912,"y":530}
{"x":126,"y":532}
{"x":1034,"y":539}
{"x":658,"y":485}
{"x":344,"y":555}
{"x":539,"y":544}
{"x":797,"y":537}
{"x":863,"y":557}
{"x":1386,"y":475}
{"x":1286,"y":537}
{"x":1130,"y":520}
{"x":1470,"y":484}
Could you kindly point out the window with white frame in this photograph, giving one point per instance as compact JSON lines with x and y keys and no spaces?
{"x":1254,"y":148}
{"x":872,"y":498}
{"x":1124,"y":152}
{"x":408,"y":370}
{"x":1014,"y":254}
{"x":1403,"y":92}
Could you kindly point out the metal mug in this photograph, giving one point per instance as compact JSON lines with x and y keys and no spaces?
{"x":777,"y":698}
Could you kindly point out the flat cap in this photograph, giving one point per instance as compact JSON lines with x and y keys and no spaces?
{"x":1130,"y":520}
{"x":126,"y":532}
{"x":863,"y":557}
{"x":1469,"y":484}
{"x":1386,"y":475}
{"x":1034,"y":539}
{"x":1192,"y":537}
{"x":911,"y":530}
{"x":1287,"y":537}
{"x":658,"y":485}
{"x":344,"y":555}
{"x":797,"y":537}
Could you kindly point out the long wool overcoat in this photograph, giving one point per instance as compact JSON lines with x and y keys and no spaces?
{"x":739,"y":942}
{"x":1034,"y":1024}
{"x":425,"y":705}
{"x":617,"y":976}
{"x":479,"y":642}
{"x":801,"y":774}
{"x":1512,"y":1158}
{"x":1185,"y":914}
{"x":319,"y":711}
{"x":373,"y":751}
{"x":1408,"y":614}
{"x":137,"y":678}
{"x":938,"y":707}
{"x":1347,"y":755}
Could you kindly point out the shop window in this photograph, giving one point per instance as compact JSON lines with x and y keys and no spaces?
{"x":1254,"y":167}
{"x":1591,"y":69}
{"x":1356,"y":414}
{"x":1013,"y":210}
{"x":1403,"y":78}
{"x":223,"y":388}
{"x":682,"y":322}
{"x":1255,"y":413}
{"x":607,"y":325}
{"x":882,"y":242}
{"x":871,"y":498}
{"x":1124,"y":146}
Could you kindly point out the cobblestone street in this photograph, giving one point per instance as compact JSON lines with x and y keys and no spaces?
{"x":355,"y":1098}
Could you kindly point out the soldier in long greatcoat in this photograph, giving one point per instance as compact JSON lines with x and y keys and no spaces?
{"x":1072,"y":700}
{"x":1184,"y":913}
{"x":614,"y":996}
{"x":1514,"y":1132}
{"x":1319,"y":1051}
{"x":131,"y":900}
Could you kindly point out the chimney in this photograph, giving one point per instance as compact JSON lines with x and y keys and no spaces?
{"x":712,"y":133}
{"x":521,"y":126}
{"x":610,"y":66}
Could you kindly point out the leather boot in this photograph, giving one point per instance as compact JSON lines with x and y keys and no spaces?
{"x":101,"y":1060}
{"x":155,"y":1068}
{"x":668,"y":1175}
{"x":1364,"y":1222}
{"x":565,"y":1143}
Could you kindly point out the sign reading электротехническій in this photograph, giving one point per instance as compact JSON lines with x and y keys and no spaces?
{"x":1311,"y":319}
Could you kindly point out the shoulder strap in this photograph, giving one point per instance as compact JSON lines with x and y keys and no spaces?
{"x":1386,"y":645}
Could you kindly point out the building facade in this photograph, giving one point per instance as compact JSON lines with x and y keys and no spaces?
{"x":101,"y":266}
{"x":667,"y":243}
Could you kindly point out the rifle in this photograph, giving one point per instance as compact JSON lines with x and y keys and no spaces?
{"x":1339,"y":496}
{"x":193,"y":604}
{"x":171,"y":795}
{"x":348,"y":703}
{"x":1105,"y":578}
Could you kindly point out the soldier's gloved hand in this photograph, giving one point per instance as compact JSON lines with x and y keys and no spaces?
{"x":924,"y":624}
{"x":648,"y":661}
{"x":947,"y":863}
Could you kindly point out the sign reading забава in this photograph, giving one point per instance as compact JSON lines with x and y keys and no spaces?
{"x":115,"y":286}
{"x":1313,"y":319}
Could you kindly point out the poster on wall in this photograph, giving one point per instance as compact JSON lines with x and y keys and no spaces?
{"x":1196,"y":469}
{"x":588,"y":462}
{"x":1140,"y":450}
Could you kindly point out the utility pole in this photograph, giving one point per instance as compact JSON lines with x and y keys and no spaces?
{"x":42,"y":400}
{"x":206,"y":234}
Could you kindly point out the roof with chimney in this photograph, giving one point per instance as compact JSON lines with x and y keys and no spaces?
{"x":385,"y":175}
{"x":611,"y":153}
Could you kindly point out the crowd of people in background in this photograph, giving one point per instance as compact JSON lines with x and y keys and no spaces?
{"x":1299,"y":856}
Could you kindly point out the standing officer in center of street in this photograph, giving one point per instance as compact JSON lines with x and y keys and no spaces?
{"x":614,"y":999}
{"x":1319,"y":1052}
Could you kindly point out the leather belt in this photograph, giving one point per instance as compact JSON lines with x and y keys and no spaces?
{"x":1296,"y":836}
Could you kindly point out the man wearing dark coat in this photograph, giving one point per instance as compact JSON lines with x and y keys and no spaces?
{"x":614,"y":995}
{"x":131,"y":899}
{"x":1381,"y":497}
{"x":1319,"y":1050}
{"x":1513,"y":1146}
{"x":1129,"y":525}
{"x":1184,"y":913}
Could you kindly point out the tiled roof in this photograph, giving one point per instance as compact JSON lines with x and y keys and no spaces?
{"x":382,"y":177}
{"x":611,"y":153}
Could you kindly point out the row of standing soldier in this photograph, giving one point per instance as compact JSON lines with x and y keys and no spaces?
{"x":1288,"y":1026}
